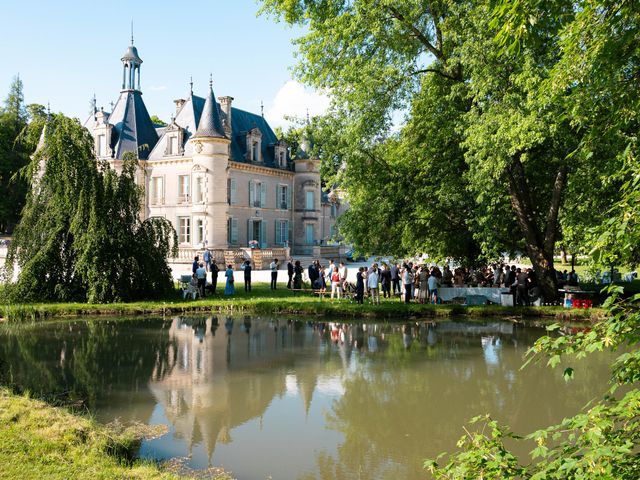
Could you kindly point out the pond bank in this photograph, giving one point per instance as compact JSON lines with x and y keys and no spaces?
{"x":264,"y":301}
{"x":41,"y":441}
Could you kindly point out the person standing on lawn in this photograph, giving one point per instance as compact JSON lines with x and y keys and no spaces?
{"x":246,"y":266}
{"x":274,"y":273}
{"x":290,"y":273}
{"x":229,"y":289}
{"x":201,"y":273}
{"x":214,"y":276}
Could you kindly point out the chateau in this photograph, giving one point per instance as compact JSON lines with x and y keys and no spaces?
{"x":218,"y":173}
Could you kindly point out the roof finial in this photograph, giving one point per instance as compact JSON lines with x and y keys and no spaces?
{"x":211,"y":80}
{"x":307,"y":116}
{"x":262,"y":108}
{"x":191,"y":84}
{"x":48,"y":110}
{"x":94,"y":109}
{"x":132,"y":31}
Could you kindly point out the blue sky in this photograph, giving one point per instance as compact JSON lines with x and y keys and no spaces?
{"x":66,"y":50}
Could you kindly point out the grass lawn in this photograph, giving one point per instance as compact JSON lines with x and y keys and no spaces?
{"x":262,"y":300}
{"x":38,"y":441}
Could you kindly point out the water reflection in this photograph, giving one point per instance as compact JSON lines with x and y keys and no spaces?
{"x":295,"y":399}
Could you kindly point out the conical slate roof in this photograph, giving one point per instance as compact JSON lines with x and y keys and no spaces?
{"x":210,"y":123}
{"x":133,"y":128}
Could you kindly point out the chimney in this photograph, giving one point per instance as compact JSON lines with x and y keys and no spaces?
{"x":225,"y":106}
{"x":179,"y":103}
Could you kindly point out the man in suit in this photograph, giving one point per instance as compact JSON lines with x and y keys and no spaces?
{"x":395,"y":278}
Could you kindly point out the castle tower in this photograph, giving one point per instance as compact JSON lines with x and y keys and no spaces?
{"x":209,"y":173}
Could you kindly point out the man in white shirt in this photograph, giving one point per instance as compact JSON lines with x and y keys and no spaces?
{"x":372,"y":282}
{"x":343,"y":276}
{"x":201,"y":274}
{"x":274,"y":273}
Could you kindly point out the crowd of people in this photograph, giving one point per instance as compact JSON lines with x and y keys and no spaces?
{"x":408,"y":281}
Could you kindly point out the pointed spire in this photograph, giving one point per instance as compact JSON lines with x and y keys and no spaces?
{"x":210,"y":122}
{"x":262,"y":108}
{"x":191,"y":86}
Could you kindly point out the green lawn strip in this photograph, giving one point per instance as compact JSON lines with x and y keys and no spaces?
{"x":264,"y":301}
{"x":40,"y":441}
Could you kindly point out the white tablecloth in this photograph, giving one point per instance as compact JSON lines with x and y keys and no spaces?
{"x":490,"y":293}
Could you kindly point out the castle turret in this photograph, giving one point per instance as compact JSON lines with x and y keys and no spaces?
{"x":210,"y":162}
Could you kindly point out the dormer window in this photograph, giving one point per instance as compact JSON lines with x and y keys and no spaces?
{"x":174,"y":138}
{"x":254,"y":145}
{"x":172,"y":144}
{"x":280,"y":154}
{"x":102,"y":145}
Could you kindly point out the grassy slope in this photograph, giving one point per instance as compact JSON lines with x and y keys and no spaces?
{"x":262,"y":300}
{"x":39,"y":441}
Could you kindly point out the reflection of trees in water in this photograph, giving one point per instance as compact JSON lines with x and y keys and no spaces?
{"x":393,"y":417}
{"x":85,"y":360}
{"x":405,"y":385}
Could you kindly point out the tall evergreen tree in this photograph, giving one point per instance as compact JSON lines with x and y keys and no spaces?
{"x":13,"y":156}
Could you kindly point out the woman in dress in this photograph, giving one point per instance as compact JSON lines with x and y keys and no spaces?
{"x":229,"y":289}
{"x":422,"y":278}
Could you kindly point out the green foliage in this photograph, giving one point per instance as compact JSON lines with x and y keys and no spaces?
{"x":158,"y":121}
{"x":80,"y":237}
{"x":14,"y":154}
{"x":600,"y":442}
{"x":593,"y":87}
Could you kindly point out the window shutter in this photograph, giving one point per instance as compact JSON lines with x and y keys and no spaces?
{"x":277,"y":197}
{"x":277,"y":231}
{"x":263,"y":195}
{"x":234,"y":230}
{"x":251,"y":195}
{"x":249,"y":232}
{"x":285,"y":231}
{"x":233,"y":191}
{"x":263,"y":234}
{"x":288,"y":198}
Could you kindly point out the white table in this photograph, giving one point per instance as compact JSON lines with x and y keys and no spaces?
{"x":490,"y":293}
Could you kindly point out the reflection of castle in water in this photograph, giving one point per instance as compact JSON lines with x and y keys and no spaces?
{"x":202,"y":399}
{"x":225,"y":371}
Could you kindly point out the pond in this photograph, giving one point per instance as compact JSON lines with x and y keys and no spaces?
{"x":291,"y":399}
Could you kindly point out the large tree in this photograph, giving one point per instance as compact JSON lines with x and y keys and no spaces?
{"x":80,"y":236}
{"x":13,"y":156}
{"x":481,"y":161}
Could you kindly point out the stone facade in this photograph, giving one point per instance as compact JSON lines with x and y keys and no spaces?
{"x":218,"y":173}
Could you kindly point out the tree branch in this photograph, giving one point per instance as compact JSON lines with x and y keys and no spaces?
{"x":454,"y":78}
{"x":437,"y":52}
{"x":376,"y":160}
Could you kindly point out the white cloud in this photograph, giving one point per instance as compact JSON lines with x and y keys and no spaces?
{"x":158,"y":88}
{"x":293,"y":100}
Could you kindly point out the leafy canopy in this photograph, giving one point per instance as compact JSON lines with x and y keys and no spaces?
{"x":80,"y":236}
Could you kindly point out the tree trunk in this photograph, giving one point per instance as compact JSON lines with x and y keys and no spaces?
{"x":539,"y":245}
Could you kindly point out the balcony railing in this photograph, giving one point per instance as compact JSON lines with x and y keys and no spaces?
{"x":184,"y":198}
